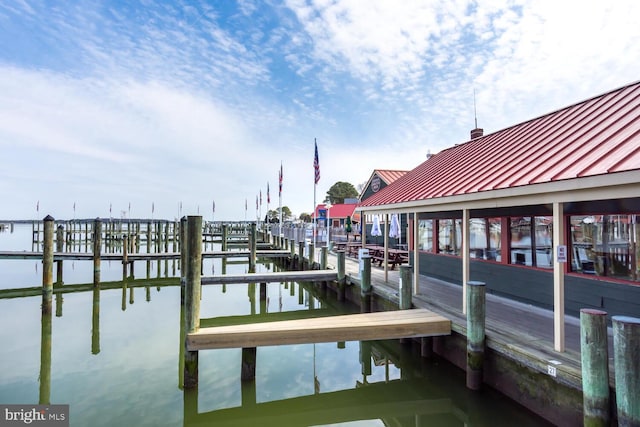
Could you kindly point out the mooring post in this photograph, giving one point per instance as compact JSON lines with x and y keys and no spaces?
{"x":475,"y":333}
{"x":626,"y":348}
{"x":323,"y":258}
{"x":406,"y":287}
{"x":125,"y":256}
{"x":341,"y":275}
{"x":365,"y":284}
{"x":312,"y":256}
{"x":97,"y":245}
{"x":225,"y":233}
{"x":192,"y":296}
{"x":183,"y":253}
{"x":248,"y":366}
{"x":252,"y":241}
{"x":59,"y":248}
{"x":300,"y":256}
{"x":595,"y":367}
{"x":47,"y":256}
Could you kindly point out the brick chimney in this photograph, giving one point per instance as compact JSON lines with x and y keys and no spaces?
{"x":477,"y":133}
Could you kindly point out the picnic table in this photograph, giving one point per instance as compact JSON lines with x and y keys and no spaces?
{"x":394,"y":256}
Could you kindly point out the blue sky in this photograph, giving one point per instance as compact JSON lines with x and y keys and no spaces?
{"x":118,"y":104}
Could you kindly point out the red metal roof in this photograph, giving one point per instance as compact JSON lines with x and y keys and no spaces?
{"x":338,"y":210}
{"x":389,"y":176}
{"x":595,"y":137}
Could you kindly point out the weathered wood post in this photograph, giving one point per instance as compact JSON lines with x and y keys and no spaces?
{"x":365,"y":284}
{"x":252,"y":242}
{"x":183,"y":254}
{"x":47,"y":256}
{"x":595,"y":367}
{"x":300,"y":256}
{"x":626,"y":349}
{"x":59,"y":248}
{"x":248,"y":367}
{"x":125,"y":256}
{"x":405,"y":287}
{"x":97,"y":247}
{"x":225,"y":236}
{"x":312,"y":256}
{"x":323,"y":258}
{"x":475,"y":333}
{"x":192,"y":296}
{"x":341,"y":275}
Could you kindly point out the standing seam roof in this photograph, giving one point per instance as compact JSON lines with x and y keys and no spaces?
{"x":598,"y":136}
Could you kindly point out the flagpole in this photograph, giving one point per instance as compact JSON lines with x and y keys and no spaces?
{"x":316,"y":179}
{"x":280,"y":208}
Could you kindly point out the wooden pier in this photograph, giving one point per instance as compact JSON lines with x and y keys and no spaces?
{"x":349,"y":327}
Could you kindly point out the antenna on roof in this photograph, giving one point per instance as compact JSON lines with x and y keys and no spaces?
{"x":475,"y":132}
{"x":475,"y":113}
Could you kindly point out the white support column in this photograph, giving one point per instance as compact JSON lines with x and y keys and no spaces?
{"x":465,"y":257}
{"x":558,"y":277}
{"x":386,"y":247}
{"x":416,"y":255}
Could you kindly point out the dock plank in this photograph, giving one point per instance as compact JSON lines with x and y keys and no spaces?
{"x":350,"y":327}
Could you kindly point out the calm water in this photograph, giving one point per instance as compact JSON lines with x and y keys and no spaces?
{"x":113,"y":356}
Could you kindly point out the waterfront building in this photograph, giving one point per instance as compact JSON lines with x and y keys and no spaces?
{"x":545,"y":211}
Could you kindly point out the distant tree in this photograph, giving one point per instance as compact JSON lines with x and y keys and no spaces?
{"x":340,"y":191}
{"x":274,"y":214}
{"x":305,"y":217}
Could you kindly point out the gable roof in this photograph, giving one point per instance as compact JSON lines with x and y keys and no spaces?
{"x":387,"y":176}
{"x":599,"y":136}
{"x":341,"y":210}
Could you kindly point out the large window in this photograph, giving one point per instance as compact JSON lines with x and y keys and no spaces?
{"x":605,"y":245}
{"x":531,"y":242}
{"x":485,"y":238}
{"x":425,"y":235}
{"x":449,"y":236}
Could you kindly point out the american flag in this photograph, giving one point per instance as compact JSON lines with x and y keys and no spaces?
{"x":268,"y":196}
{"x":316,"y":163}
{"x":280,"y":179}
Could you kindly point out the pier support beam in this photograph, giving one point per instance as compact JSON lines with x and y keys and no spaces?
{"x":59,"y":248}
{"x":192,"y":295}
{"x":626,"y":348}
{"x":341,"y":274}
{"x":47,"y":256}
{"x":475,"y":333}
{"x":97,"y":247}
{"x":595,"y":367}
{"x":405,"y":287}
{"x":365,"y":284}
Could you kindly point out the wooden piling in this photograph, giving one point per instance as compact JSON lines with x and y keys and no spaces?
{"x":312,"y":255}
{"x":183,"y":251}
{"x":405,"y":287}
{"x":365,"y":275}
{"x":300,"y":256}
{"x":341,"y":274}
{"x":225,"y":235}
{"x":95,"y":321}
{"x":248,"y":366}
{"x":626,"y":349}
{"x":595,"y":367}
{"x":59,"y":248}
{"x":45,"y":341}
{"x":192,"y":295}
{"x":125,"y":256}
{"x":475,"y":333}
{"x":323,"y":258}
{"x":253,"y":237}
{"x":47,"y":256}
{"x":97,"y":247}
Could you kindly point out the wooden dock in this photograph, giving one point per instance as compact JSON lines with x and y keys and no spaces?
{"x":350,"y":327}
{"x":281,"y":276}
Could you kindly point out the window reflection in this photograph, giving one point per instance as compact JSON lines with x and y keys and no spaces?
{"x":605,"y":245}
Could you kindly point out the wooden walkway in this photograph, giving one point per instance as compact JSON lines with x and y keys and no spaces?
{"x":281,"y":276}
{"x":139,"y":256}
{"x":349,"y":327}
